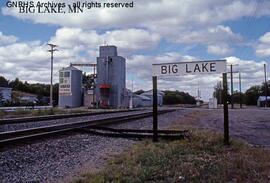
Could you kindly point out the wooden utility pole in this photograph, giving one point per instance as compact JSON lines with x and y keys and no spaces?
{"x":240,"y":89}
{"x":266,"y":86}
{"x":231,"y":85}
{"x":52,"y":50}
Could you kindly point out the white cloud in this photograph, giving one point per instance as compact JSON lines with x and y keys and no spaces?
{"x":141,"y":27}
{"x":30,"y":61}
{"x":125,"y":40}
{"x":219,"y":49}
{"x":132,"y":39}
{"x":265,"y":38}
{"x":173,"y":13}
{"x":159,"y":16}
{"x":4,"y":40}
{"x":207,"y":35}
{"x":218,"y":39}
{"x":263,"y":46}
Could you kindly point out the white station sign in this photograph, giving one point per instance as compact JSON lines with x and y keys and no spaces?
{"x":194,"y":68}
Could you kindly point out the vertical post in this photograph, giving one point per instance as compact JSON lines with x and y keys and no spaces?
{"x":220,"y":92}
{"x":94,"y":88}
{"x":240,"y":89}
{"x":225,"y":108}
{"x":231,"y":86}
{"x":266,"y":87}
{"x":131,"y":98}
{"x":51,"y":87}
{"x":155,"y":117}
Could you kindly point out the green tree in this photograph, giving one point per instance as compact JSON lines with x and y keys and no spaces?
{"x":177,"y":97}
{"x":252,"y":95}
{"x":3,"y":82}
{"x":1,"y":99}
{"x":88,"y":81}
{"x":218,"y":92}
{"x":237,"y":96}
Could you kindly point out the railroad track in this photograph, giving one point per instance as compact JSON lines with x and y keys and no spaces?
{"x":60,"y":116}
{"x":12,"y":137}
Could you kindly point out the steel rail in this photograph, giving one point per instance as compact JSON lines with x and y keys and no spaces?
{"x":60,"y":116}
{"x":11,"y":137}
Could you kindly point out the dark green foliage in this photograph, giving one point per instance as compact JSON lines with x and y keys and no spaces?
{"x":3,"y":82}
{"x":250,"y":97}
{"x":177,"y":97}
{"x":41,"y":90}
{"x":252,"y":94}
{"x":218,"y":92}
{"x":237,"y":96}
{"x":88,"y":81}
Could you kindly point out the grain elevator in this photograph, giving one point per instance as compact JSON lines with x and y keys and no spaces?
{"x":111,"y":78}
{"x":109,"y":87}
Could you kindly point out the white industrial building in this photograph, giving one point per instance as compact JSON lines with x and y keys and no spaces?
{"x":27,"y":97}
{"x":262,"y":100}
{"x":5,"y":94}
{"x":146,"y":99}
{"x":149,"y":94}
{"x":70,"y":87}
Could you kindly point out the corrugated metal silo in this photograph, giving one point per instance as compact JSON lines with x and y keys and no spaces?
{"x":111,"y":78}
{"x":70,"y":87}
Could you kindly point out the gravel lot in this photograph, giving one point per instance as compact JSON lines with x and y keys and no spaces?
{"x":61,"y":159}
{"x":250,"y":125}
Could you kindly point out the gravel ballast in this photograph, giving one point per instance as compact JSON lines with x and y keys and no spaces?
{"x":61,"y":159}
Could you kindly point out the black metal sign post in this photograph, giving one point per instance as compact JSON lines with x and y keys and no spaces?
{"x":225,"y":108}
{"x":155,"y":111}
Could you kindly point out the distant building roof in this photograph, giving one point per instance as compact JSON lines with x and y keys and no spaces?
{"x":70,"y":68}
{"x":150,"y":92}
{"x":141,"y":97}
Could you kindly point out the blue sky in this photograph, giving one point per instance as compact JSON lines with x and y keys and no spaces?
{"x":151,"y":32}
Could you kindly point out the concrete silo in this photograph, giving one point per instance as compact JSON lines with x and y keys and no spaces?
{"x":70,"y":87}
{"x":111,"y":78}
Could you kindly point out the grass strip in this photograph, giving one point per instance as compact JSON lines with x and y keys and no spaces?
{"x":200,"y":159}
